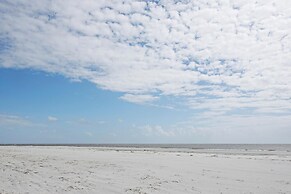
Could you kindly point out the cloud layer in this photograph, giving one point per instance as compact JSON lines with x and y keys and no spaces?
{"x":214,"y":55}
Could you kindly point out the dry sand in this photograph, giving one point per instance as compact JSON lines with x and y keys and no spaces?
{"x":32,"y":169}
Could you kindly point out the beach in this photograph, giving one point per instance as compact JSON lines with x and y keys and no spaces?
{"x":69,"y":169}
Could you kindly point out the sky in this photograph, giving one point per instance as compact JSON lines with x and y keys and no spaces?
{"x":201,"y":71}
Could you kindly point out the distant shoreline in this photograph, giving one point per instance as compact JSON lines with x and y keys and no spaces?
{"x":250,"y":147}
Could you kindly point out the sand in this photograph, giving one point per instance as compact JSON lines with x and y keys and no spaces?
{"x":51,"y":169}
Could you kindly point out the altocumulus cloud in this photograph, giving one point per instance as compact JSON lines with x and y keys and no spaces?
{"x":215,"y":55}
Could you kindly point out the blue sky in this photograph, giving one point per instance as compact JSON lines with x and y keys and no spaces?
{"x":145,"y":72}
{"x":54,"y":109}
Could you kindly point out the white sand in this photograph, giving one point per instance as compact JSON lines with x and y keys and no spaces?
{"x":105,"y":170}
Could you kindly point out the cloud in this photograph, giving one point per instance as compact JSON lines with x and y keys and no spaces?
{"x":120,"y":120}
{"x":217,"y":127}
{"x":51,"y":118}
{"x":156,"y":130}
{"x":17,"y":122}
{"x":212,"y":55}
{"x":139,"y":99}
{"x":9,"y":120}
{"x":88,"y":133}
{"x":240,"y":128}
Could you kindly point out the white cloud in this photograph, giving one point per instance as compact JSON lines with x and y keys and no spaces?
{"x":156,"y":130}
{"x":218,"y":55}
{"x":241,"y":128}
{"x":7,"y":120}
{"x":51,"y":118}
{"x":217,"y":127}
{"x":138,"y":98}
{"x":17,"y":122}
{"x":88,"y":133}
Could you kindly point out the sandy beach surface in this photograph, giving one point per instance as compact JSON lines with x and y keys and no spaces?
{"x":61,"y":169}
